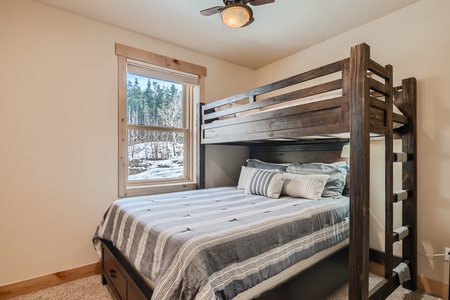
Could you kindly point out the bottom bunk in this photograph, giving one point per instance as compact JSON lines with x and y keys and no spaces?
{"x":218,"y":243}
{"x":314,"y":279}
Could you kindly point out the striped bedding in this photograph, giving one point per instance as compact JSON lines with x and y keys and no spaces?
{"x":216,"y":243}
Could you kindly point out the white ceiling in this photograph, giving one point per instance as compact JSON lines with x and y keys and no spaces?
{"x":279,"y":30}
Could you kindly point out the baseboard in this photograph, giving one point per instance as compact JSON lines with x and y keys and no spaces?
{"x":432,"y":287}
{"x":427,"y":285}
{"x":424,"y":284}
{"x":46,"y":281}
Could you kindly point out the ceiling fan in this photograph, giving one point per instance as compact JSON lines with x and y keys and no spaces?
{"x":235,"y":13}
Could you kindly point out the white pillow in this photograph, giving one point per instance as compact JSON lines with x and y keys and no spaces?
{"x":304,"y":186}
{"x":264,"y":183}
{"x":337,"y":172}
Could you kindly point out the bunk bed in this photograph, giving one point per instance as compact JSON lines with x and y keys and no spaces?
{"x":307,"y":118}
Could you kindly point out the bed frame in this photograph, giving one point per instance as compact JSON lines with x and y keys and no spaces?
{"x":364,"y":106}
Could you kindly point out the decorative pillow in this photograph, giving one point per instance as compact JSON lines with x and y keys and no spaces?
{"x":256,"y":163}
{"x":265,"y":183}
{"x":336,"y":171}
{"x":304,"y":186}
{"x":245,"y":176}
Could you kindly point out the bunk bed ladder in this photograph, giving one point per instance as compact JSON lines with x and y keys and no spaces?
{"x":359,"y":86}
{"x":406,"y":101}
{"x":405,"y":271}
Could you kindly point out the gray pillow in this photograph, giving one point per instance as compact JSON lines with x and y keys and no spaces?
{"x":258,"y":164}
{"x":337,"y":172}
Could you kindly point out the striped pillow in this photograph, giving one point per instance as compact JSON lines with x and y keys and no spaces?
{"x":265,"y":183}
{"x":246,"y":175}
{"x":304,"y":186}
{"x":337,"y":172}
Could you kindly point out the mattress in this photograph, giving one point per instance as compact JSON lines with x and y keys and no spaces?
{"x":218,"y":243}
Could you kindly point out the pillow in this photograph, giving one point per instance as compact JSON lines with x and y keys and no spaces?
{"x":304,"y":186}
{"x":265,"y":183}
{"x":244,"y":177}
{"x":246,"y":174}
{"x":336,"y":171}
{"x":256,"y":163}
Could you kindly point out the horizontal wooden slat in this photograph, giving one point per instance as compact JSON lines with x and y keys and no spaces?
{"x":382,"y":105}
{"x":287,"y":134}
{"x":284,"y":98}
{"x":400,"y":119}
{"x":378,"y":103}
{"x":156,"y":128}
{"x":315,"y":73}
{"x":378,"y":86}
{"x":377,"y":121}
{"x":279,"y":113}
{"x":273,"y":125}
{"x":160,"y":60}
{"x":384,"y":288}
{"x":378,"y":69}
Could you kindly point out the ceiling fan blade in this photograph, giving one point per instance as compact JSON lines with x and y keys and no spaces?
{"x":211,"y":11}
{"x":260,"y":2}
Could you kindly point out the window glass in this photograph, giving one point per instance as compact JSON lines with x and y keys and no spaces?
{"x":155,"y":154}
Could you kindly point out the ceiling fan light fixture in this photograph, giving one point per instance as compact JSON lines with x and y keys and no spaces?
{"x":236,"y":15}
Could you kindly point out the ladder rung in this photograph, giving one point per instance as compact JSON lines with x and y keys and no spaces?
{"x":402,"y":157}
{"x":401,"y":232}
{"x":403,"y":272}
{"x":400,"y":195}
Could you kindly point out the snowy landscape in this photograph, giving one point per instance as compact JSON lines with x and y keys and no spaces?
{"x":143,"y":168}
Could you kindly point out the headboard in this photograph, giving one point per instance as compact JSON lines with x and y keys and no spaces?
{"x":304,"y":152}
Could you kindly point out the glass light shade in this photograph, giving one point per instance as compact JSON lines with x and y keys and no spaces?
{"x":236,"y":16}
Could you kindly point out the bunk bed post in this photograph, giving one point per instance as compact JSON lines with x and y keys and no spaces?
{"x":200,"y":155}
{"x":389,"y":181}
{"x":407,"y":104}
{"x":360,"y":172}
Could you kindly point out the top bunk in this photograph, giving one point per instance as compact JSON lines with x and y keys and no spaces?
{"x":317,"y":104}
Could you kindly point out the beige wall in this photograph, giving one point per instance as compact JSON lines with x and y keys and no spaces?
{"x":58,"y":108}
{"x":416,"y":41}
{"x":58,"y":129}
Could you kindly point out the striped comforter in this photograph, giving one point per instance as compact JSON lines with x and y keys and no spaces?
{"x":216,"y":243}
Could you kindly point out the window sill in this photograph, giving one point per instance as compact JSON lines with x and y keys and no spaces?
{"x":131,"y":191}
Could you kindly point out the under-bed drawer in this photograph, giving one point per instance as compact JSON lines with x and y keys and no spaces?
{"x":112,"y":271}
{"x":125,"y":281}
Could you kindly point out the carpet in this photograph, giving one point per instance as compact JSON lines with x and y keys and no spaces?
{"x":91,"y":288}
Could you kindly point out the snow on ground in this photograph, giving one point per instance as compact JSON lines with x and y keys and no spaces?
{"x":168,"y":168}
{"x":154,"y":169}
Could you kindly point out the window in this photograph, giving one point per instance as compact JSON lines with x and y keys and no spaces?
{"x":157,"y":136}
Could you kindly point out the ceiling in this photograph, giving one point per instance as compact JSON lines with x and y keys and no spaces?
{"x":279,"y":30}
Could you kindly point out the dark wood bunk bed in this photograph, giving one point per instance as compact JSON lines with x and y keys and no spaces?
{"x":363,"y":106}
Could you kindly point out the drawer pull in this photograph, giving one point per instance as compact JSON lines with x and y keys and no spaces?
{"x":112,"y":274}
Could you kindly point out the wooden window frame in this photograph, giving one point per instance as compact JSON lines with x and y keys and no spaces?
{"x":127,"y":189}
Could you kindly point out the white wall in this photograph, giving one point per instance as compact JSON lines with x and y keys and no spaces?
{"x":416,"y":41}
{"x":58,"y":129}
